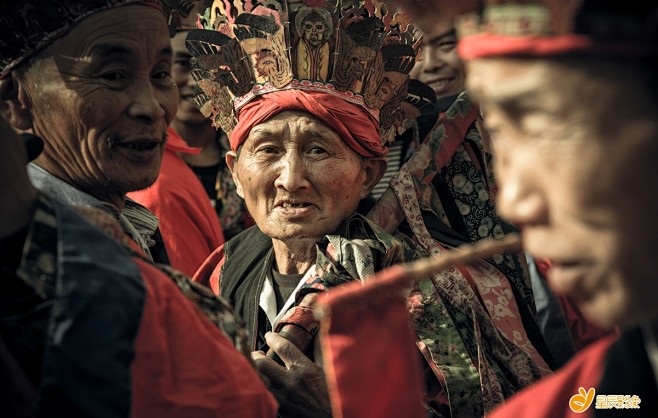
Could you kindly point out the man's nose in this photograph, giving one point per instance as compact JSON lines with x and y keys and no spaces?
{"x":292,"y":174}
{"x":146,"y":104}
{"x":521,"y":197}
{"x":433,"y":59}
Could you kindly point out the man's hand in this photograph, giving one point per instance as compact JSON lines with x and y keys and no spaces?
{"x":300,"y":386}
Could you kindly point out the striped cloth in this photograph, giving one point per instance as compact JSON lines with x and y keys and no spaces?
{"x":394,"y":159}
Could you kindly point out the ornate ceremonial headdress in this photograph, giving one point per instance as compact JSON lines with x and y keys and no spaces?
{"x":355,"y":50}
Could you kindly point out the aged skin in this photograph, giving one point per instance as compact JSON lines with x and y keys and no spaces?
{"x":580,"y":184}
{"x":113,"y":104}
{"x":298,"y":376}
{"x":300,"y":181}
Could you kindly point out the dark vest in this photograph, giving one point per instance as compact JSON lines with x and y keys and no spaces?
{"x":247,"y":258}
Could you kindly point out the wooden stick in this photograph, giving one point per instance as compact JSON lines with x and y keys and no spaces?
{"x":462,"y":255}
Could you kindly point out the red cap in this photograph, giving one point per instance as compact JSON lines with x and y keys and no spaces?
{"x":555,"y":27}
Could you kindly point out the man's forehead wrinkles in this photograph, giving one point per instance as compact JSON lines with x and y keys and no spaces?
{"x":321,"y":134}
{"x":517,"y":92}
{"x":108,"y":49}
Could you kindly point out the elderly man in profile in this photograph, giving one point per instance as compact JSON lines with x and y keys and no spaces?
{"x":101,"y":96}
{"x":574,"y":112}
{"x":570,"y":96}
{"x":88,"y":326}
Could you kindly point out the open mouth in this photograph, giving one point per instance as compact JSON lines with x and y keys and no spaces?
{"x":140,"y":146}
{"x":442,"y":81}
{"x":296,"y":205}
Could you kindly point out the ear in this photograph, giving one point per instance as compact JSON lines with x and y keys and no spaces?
{"x":231,"y":161}
{"x":375,"y":169}
{"x":15,"y":103}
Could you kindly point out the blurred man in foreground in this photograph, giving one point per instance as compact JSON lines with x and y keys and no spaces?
{"x":570,"y":97}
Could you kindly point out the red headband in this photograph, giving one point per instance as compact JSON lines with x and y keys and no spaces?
{"x":354,"y":125}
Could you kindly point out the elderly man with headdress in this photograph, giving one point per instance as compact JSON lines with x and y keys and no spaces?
{"x":88,"y":326}
{"x":304,"y":154}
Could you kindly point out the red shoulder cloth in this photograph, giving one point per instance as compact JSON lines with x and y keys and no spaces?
{"x":188,"y":222}
{"x":184,"y":366}
{"x":208,"y":273}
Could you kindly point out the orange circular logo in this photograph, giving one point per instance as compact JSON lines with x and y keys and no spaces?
{"x":581,"y":401}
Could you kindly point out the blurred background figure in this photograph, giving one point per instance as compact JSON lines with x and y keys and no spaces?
{"x":209,"y":164}
{"x":560,"y":321}
{"x":439,"y":68}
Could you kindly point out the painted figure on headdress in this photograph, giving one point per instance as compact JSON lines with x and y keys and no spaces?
{"x":314,"y":25}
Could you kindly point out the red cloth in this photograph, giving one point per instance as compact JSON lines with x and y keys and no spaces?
{"x":582,"y":331}
{"x":188,"y":223}
{"x":209,"y":272}
{"x":550,"y":397}
{"x":358,"y":128}
{"x":184,"y":366}
{"x":372,"y":370}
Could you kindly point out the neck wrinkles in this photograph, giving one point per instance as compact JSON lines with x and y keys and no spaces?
{"x":294,"y":257}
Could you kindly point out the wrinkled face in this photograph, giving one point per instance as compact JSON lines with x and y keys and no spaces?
{"x":182,"y":73}
{"x":314,"y":28}
{"x":299,"y":179}
{"x":102,"y":97}
{"x":440,"y":67}
{"x":577,"y":172}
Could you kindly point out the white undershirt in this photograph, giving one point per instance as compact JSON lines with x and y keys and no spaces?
{"x":267,"y":300}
